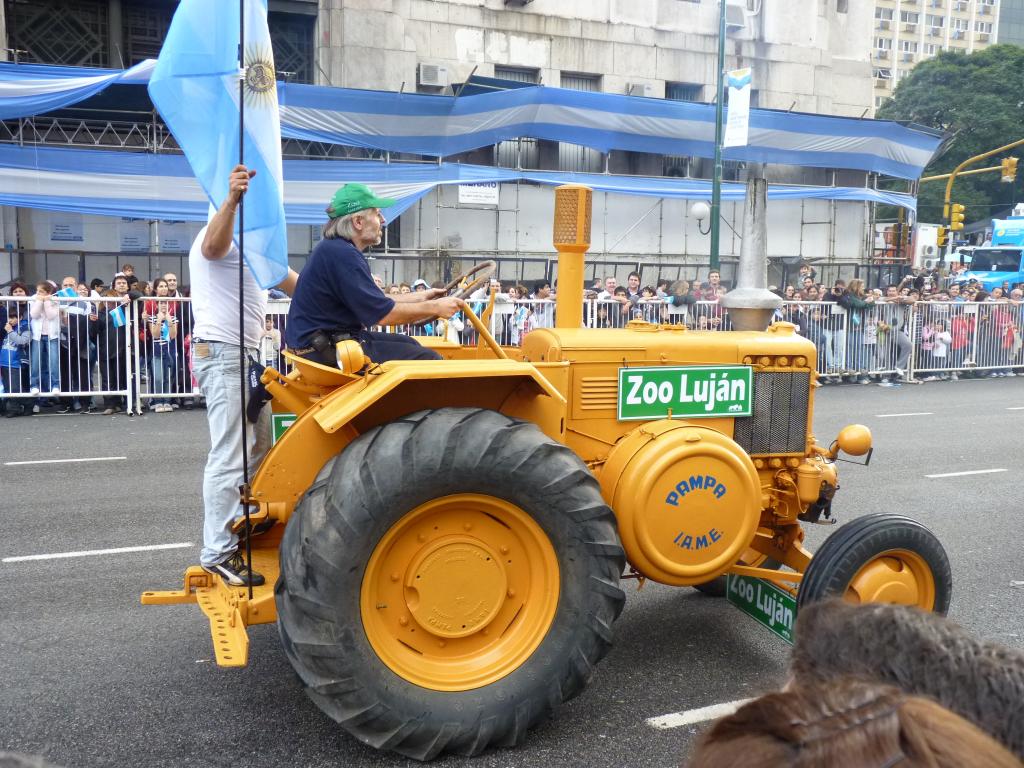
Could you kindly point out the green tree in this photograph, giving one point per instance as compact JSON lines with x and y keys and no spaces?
{"x":979,"y":100}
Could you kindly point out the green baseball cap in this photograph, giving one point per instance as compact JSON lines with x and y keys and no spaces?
{"x":355,"y":197}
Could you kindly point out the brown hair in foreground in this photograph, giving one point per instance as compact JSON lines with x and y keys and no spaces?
{"x":847,"y":724}
{"x":920,"y":653}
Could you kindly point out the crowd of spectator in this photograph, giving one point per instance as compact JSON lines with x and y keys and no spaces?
{"x":60,"y":342}
{"x":951,"y":330}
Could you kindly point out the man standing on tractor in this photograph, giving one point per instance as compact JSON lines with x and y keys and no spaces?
{"x":337,"y":299}
{"x":213,"y":265}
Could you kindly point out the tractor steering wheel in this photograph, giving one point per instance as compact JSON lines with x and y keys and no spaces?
{"x":486,"y":268}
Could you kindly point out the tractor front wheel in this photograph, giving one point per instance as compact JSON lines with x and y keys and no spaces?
{"x":881,"y":558}
{"x":449,"y":582}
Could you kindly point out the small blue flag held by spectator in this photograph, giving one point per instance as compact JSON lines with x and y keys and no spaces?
{"x":117,"y":315}
{"x":195,"y":88}
{"x":68,"y":293}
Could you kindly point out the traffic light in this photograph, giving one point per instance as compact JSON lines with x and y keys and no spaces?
{"x":956,"y":217}
{"x":940,"y":237}
{"x":1009,"y":169}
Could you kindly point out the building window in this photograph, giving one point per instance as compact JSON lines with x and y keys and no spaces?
{"x":908,"y":46}
{"x":576,"y":157}
{"x":882,"y":73}
{"x":518,"y":74}
{"x":884,"y":13}
{"x":684,"y":91}
{"x":521,"y":152}
{"x":983,"y":26}
{"x":74,"y":33}
{"x":293,"y":39}
{"x":883,"y":43}
{"x":909,"y":17}
{"x":930,"y":49}
{"x":842,"y":6}
{"x":933,"y":21}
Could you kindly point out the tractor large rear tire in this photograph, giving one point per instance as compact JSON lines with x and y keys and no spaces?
{"x":436,"y":496}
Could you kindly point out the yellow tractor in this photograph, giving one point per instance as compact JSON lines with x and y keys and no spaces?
{"x":444,"y":540}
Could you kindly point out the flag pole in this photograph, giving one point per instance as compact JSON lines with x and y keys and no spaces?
{"x":243,"y":490}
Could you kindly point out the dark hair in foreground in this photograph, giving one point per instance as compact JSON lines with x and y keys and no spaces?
{"x":921,"y":653}
{"x":846,"y":724}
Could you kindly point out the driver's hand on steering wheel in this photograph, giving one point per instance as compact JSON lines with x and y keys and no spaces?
{"x":435,"y":293}
{"x":448,"y":306}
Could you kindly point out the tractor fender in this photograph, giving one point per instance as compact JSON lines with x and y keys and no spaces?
{"x":391,"y":390}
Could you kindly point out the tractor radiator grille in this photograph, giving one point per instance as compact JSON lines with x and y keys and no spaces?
{"x":779,"y":423}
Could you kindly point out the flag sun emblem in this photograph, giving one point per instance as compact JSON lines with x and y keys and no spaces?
{"x":259,"y":76}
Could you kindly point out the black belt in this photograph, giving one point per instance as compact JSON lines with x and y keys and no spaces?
{"x":322,"y":341}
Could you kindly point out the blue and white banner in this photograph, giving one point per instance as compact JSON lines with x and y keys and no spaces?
{"x":195,"y":86}
{"x":441,"y":126}
{"x":118,"y":318}
{"x":31,"y":89}
{"x":737,"y":127}
{"x":147,"y":186}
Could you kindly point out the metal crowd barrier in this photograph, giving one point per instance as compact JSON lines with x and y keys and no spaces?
{"x":89,"y":348}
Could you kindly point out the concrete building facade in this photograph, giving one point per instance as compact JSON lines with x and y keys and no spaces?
{"x":806,"y":55}
{"x":909,"y":31}
{"x":1011,"y":22}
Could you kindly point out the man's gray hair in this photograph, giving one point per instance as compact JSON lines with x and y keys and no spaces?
{"x":340,"y":226}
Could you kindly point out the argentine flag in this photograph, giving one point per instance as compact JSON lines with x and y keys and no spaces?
{"x":195,"y":89}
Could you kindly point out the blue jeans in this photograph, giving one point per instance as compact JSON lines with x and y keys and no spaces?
{"x":45,"y":368}
{"x":162,"y":361}
{"x":216,"y":367}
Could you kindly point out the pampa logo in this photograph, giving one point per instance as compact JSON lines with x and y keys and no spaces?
{"x":685,"y":392}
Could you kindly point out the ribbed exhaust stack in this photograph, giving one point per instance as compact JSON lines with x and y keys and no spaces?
{"x":571,"y":236}
{"x":750,"y":304}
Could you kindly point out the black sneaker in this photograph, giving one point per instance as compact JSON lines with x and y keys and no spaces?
{"x":234,"y":572}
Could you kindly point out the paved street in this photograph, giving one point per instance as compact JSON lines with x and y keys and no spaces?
{"x":92,"y":678}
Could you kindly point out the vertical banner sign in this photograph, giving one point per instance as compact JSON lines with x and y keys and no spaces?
{"x":738,"y":125}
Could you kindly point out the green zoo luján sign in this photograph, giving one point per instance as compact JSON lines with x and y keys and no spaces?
{"x":692,"y":391}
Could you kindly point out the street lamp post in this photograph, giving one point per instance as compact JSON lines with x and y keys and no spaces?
{"x":716,"y":182}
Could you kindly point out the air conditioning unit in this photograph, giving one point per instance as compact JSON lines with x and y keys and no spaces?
{"x":882,"y":54}
{"x":882,"y":82}
{"x":882,"y":24}
{"x":907,"y":56}
{"x":958,"y":34}
{"x":982,"y":37}
{"x":910,"y":27}
{"x":935,"y":32}
{"x":433,"y":74}
{"x":735,"y":17}
{"x":984,"y":10}
{"x":640,"y":89}
{"x":935,"y":3}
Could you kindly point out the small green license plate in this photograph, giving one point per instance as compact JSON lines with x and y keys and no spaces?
{"x":764,"y":602}
{"x":693,"y":391}
{"x":279,"y":422}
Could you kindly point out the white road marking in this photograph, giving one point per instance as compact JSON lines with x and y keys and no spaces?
{"x":1016,"y":408}
{"x":970,"y":472}
{"x":95,"y":552}
{"x":895,"y":415}
{"x":64,"y":461}
{"x":691,"y":716}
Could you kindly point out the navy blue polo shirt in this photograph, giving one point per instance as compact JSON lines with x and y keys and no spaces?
{"x":335,"y":293}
